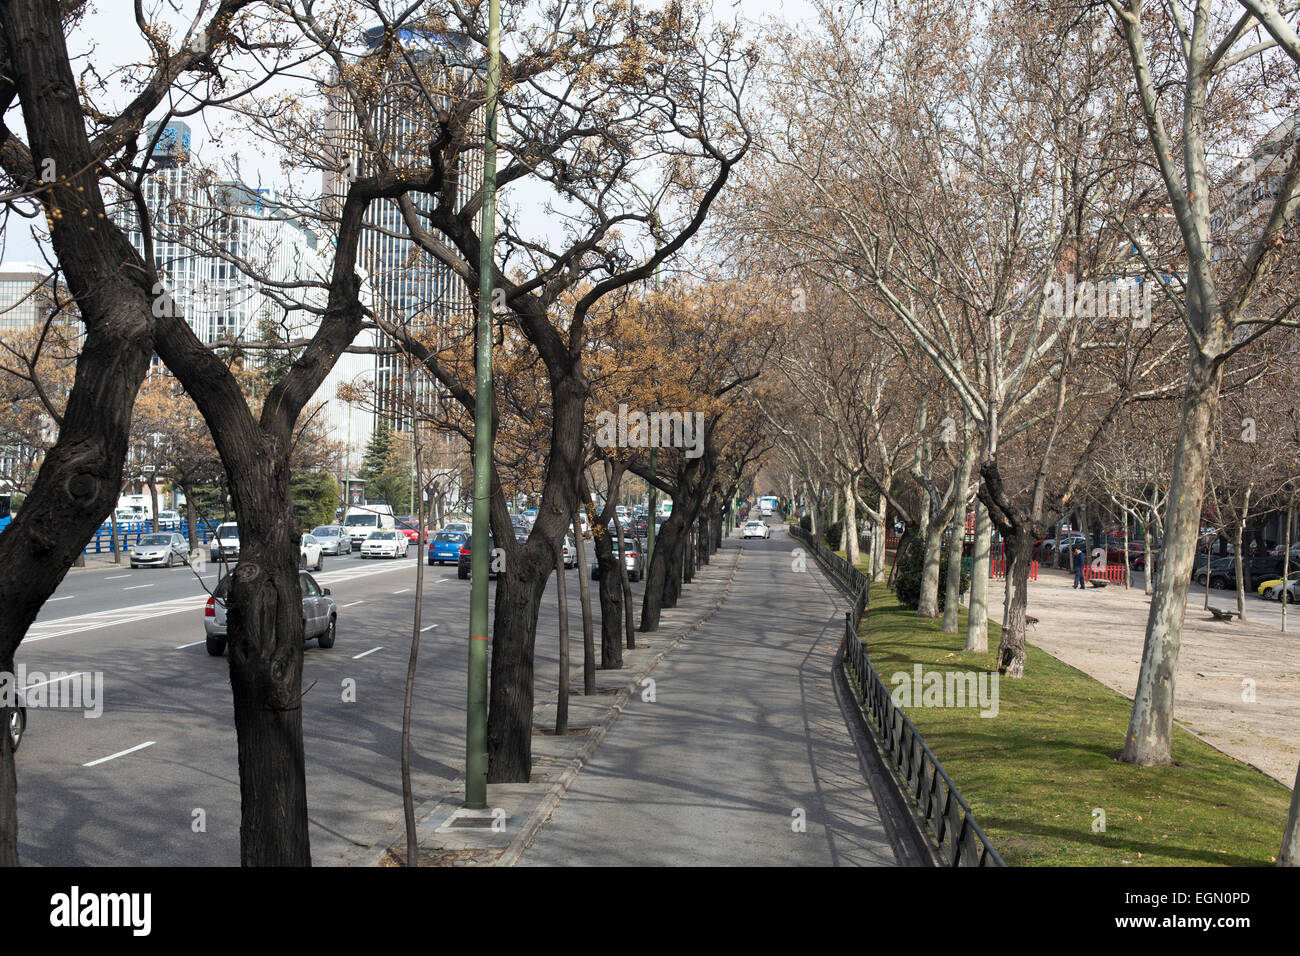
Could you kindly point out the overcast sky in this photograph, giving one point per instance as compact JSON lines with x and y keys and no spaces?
{"x":109,"y":37}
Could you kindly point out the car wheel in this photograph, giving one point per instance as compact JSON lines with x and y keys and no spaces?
{"x":326,"y":639}
{"x":462,"y":573}
{"x":17,"y":725}
{"x":302,"y":561}
{"x":216,"y":646}
{"x":320,"y":562}
{"x":171,"y":560}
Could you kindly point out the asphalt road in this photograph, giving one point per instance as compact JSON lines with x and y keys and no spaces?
{"x":742,"y":758}
{"x":88,"y":797}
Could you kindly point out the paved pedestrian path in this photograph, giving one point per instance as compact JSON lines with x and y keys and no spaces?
{"x":742,"y":757}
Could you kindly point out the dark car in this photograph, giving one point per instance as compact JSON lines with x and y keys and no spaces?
{"x":462,"y":560}
{"x":1222,"y":573}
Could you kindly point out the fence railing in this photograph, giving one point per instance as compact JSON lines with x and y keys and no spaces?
{"x":1114,"y":573}
{"x":998,"y":568}
{"x":941,"y":805}
{"x":857,"y":583}
{"x":130,"y":532}
{"x":939,"y":802}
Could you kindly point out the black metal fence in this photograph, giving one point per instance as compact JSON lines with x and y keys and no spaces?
{"x":853,"y":580}
{"x":937,"y":798}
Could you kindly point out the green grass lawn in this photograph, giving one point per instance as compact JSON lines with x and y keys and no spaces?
{"x":1035,"y":773}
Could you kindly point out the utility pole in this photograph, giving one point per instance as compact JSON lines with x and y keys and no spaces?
{"x":476,"y":757}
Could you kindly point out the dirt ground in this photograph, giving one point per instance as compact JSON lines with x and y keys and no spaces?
{"x":1100,"y":631}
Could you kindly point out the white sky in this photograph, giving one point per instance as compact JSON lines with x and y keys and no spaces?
{"x":108,"y":38}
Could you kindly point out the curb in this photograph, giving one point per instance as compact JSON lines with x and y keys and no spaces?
{"x":537,"y":819}
{"x":908,"y":835}
{"x":447,"y":799}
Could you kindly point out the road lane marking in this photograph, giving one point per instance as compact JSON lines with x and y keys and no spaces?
{"x":121,"y":753}
{"x":357,"y":657}
{"x":52,"y":600}
{"x":354,"y":603}
{"x":403,"y":591}
{"x":136,"y":587}
{"x":429,"y":628}
{"x":116,"y":577}
{"x":181,"y":647}
{"x":53,"y":680}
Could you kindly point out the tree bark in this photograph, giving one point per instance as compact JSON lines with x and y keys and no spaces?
{"x":584,"y":596}
{"x":1011,"y":649}
{"x":977,"y":615}
{"x":1151,"y":725}
{"x":562,"y":701}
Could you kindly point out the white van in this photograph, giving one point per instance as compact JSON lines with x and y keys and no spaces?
{"x":361,"y":521}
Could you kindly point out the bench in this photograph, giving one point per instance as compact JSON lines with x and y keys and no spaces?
{"x":1221,"y":615}
{"x":1098,"y":582}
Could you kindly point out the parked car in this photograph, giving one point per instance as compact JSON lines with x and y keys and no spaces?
{"x":633,"y":557}
{"x":386,"y":544}
{"x":1271,"y":589}
{"x":311,"y":553}
{"x":1221,"y":573}
{"x":17,"y":726}
{"x":319,"y":614}
{"x":463,"y":558}
{"x":333,"y":538}
{"x":445,"y":546}
{"x":224,"y":543}
{"x":164,"y":550}
{"x":756,"y":529}
{"x":167,"y":519}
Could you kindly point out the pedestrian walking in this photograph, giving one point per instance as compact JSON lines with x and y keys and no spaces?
{"x":1080,"y":556}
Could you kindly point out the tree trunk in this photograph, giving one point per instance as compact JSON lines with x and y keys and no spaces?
{"x":1011,"y":649}
{"x":952,"y":588}
{"x":850,"y":532}
{"x":562,"y":701}
{"x":626,"y":588}
{"x":611,"y":602}
{"x":928,"y":602}
{"x":191,"y":523}
{"x":1148,"y":561}
{"x":1289,"y":855}
{"x":584,"y":596}
{"x":1241,"y":577}
{"x":977,"y":615}
{"x":1151,"y":725}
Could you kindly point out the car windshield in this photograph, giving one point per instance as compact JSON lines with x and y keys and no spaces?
{"x":326,"y":532}
{"x":361,"y":521}
{"x":449,"y":537}
{"x":382,"y":536}
{"x":228,"y":531}
{"x":154,"y":540}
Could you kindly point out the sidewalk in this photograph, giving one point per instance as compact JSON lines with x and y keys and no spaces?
{"x":451,"y":836}
{"x":1102,"y":631}
{"x":743,"y":757}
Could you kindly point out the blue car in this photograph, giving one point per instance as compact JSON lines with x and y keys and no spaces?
{"x":445,"y":546}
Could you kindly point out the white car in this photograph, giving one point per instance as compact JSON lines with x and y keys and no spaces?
{"x":168,"y":519}
{"x":311,"y":553}
{"x":1275,"y":592}
{"x":756,"y":529}
{"x":386,"y":544}
{"x":570,"y":553}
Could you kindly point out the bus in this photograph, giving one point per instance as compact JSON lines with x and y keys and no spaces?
{"x":6,"y":516}
{"x":768,"y":505}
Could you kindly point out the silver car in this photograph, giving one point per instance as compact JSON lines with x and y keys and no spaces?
{"x":160,"y":551}
{"x":319,"y":614}
{"x":334,"y":538}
